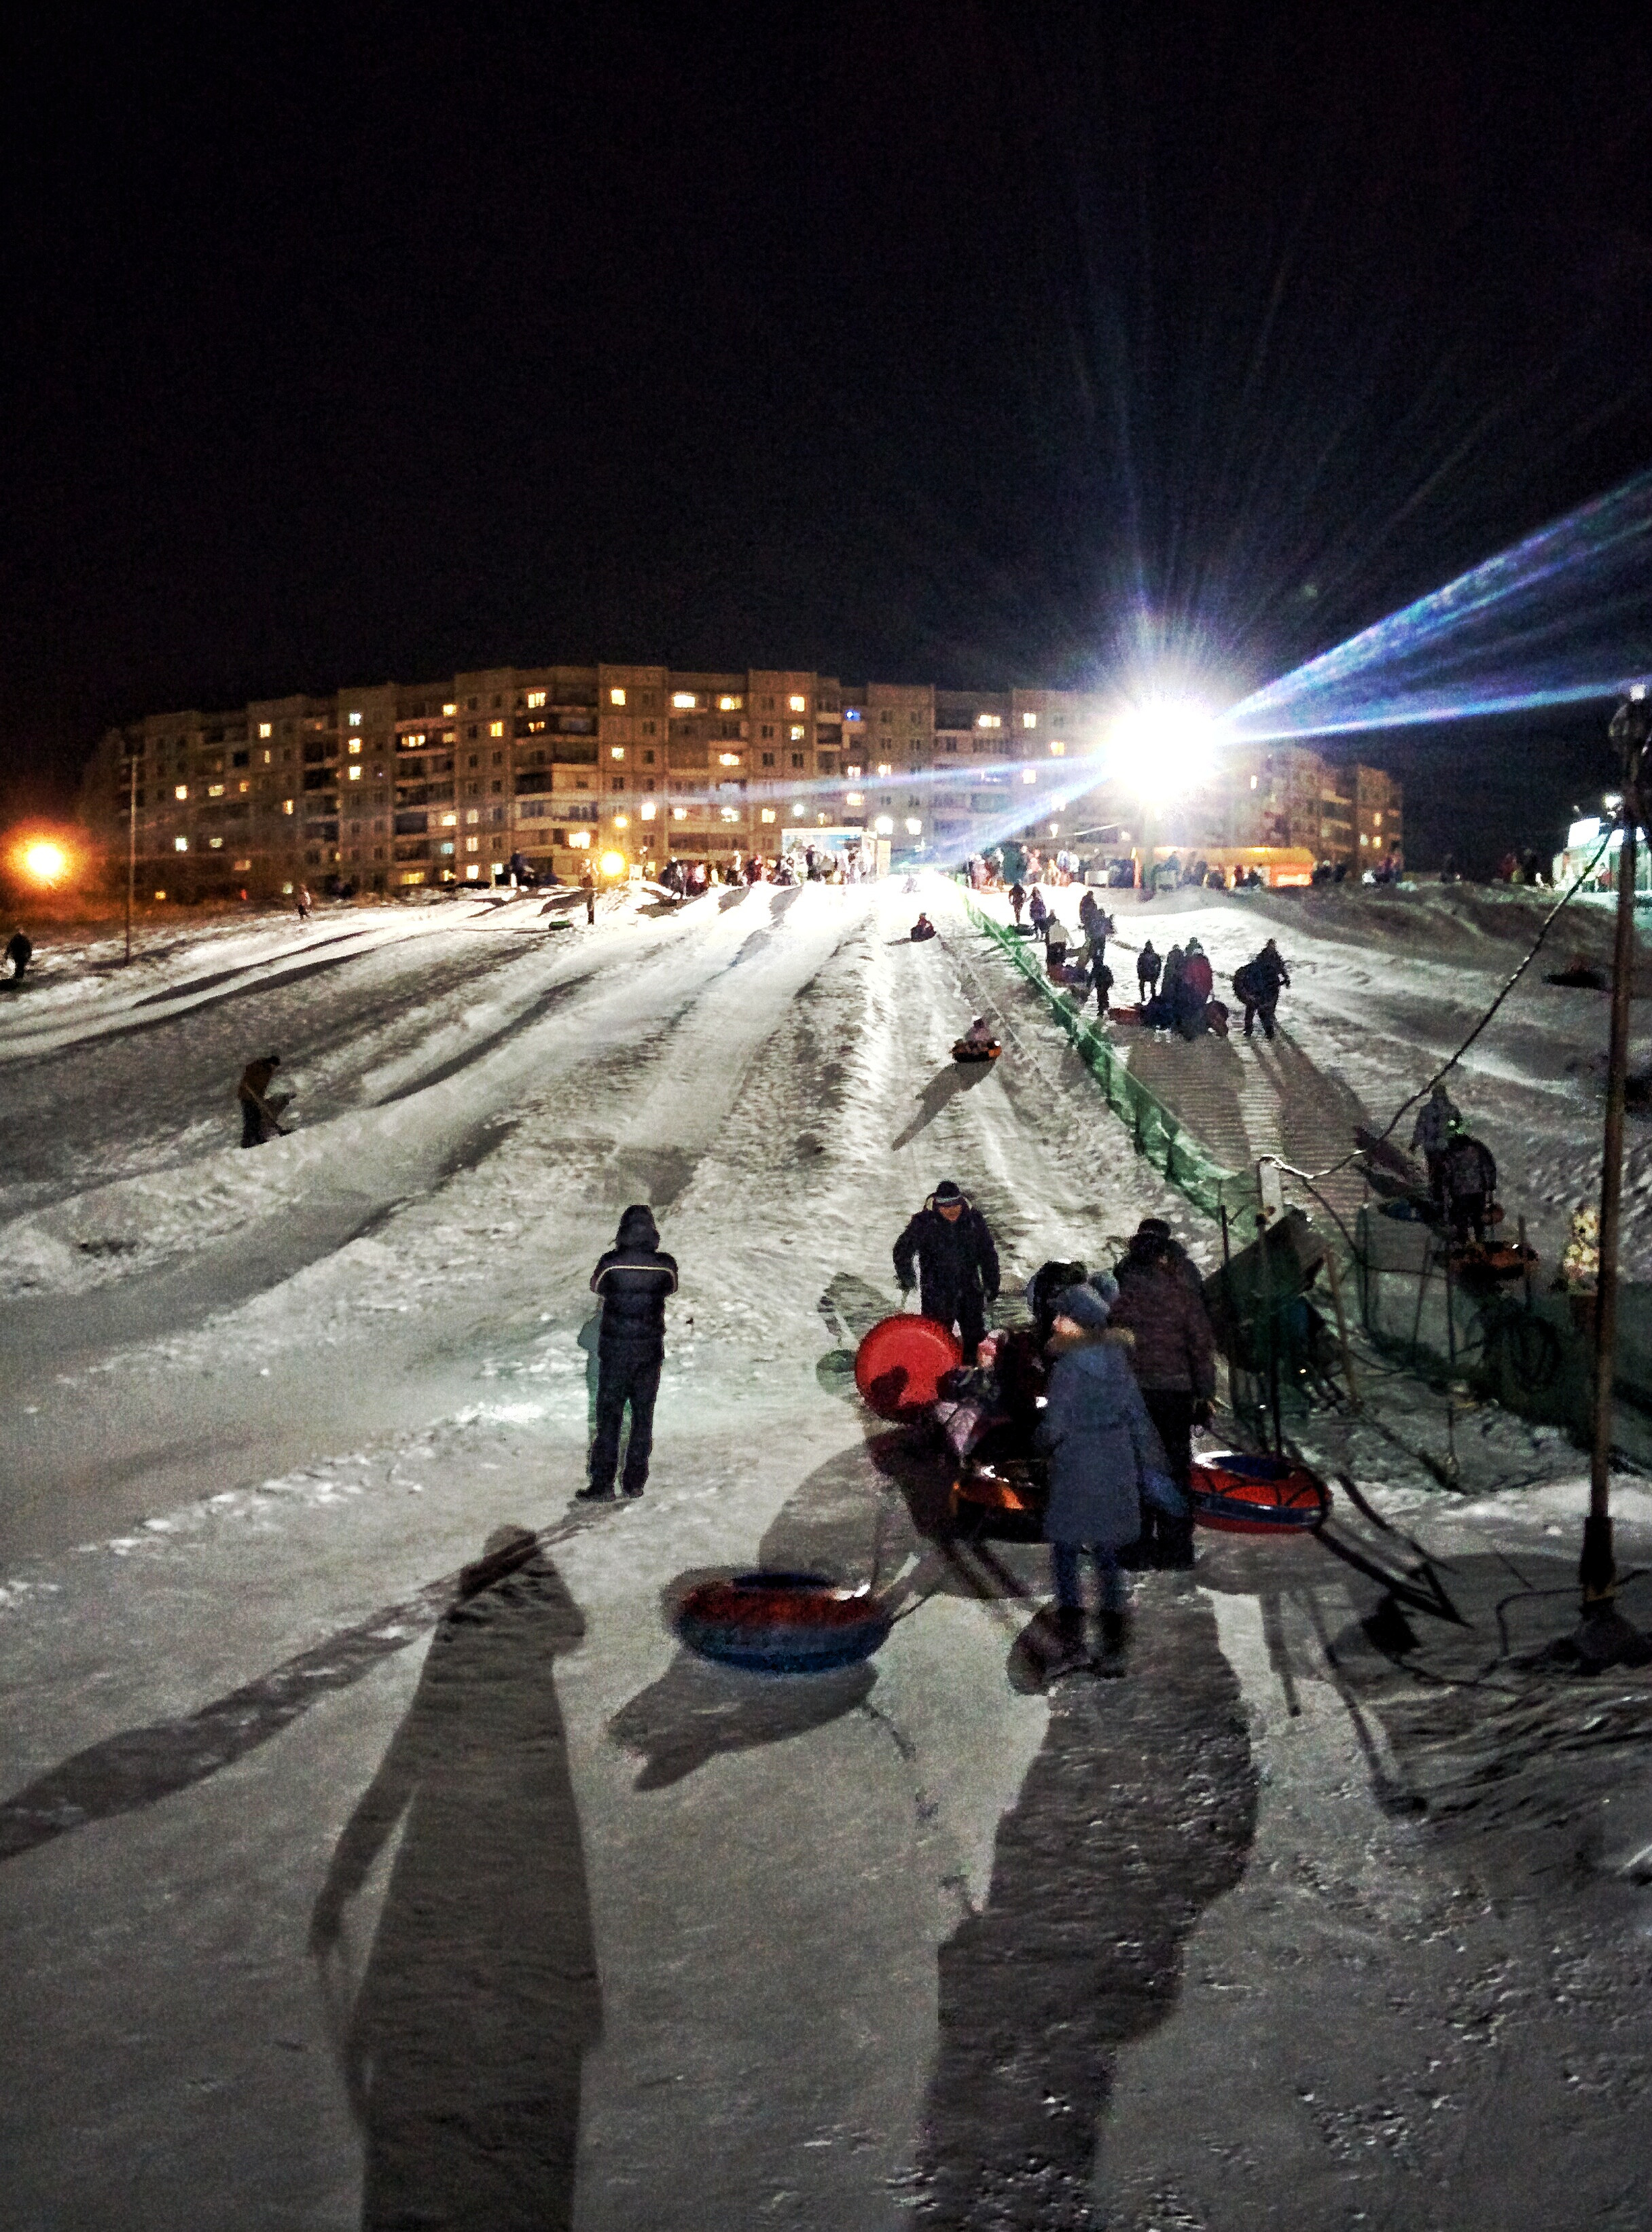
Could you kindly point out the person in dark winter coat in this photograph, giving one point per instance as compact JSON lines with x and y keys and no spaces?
{"x":252,"y":1093}
{"x":1106,"y":1462}
{"x":1017,"y":901}
{"x":958,"y":1263}
{"x":1148,"y":965}
{"x":634,"y":1281}
{"x":921,"y":929}
{"x":1038,"y":913}
{"x":1258,"y":985}
{"x":1175,"y":1360}
{"x":1467,"y":1181}
{"x":588,"y":886}
{"x":19,"y":948}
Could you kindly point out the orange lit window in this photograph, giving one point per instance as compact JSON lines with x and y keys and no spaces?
{"x":684,"y":700}
{"x":797,"y":705}
{"x":615,"y":697}
{"x":536,"y":697}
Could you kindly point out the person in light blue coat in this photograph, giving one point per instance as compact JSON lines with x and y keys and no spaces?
{"x":1104,"y":1459}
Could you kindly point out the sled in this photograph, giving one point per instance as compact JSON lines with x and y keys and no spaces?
{"x":1494,"y":1259}
{"x":1011,"y":1488}
{"x":1240,"y":1494}
{"x":1129,"y":1014}
{"x":783,"y":1623}
{"x":963,"y":1052}
{"x":900,"y":1363}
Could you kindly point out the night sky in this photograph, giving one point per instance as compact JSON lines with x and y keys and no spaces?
{"x":974,"y":345}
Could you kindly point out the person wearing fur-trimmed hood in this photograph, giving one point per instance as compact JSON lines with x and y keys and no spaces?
{"x":1104,"y":1459}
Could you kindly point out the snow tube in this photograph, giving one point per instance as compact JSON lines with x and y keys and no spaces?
{"x":963,"y":1051}
{"x":1014,"y":1489}
{"x":783,"y":1623}
{"x":1246,"y":1494}
{"x":899,"y":1364}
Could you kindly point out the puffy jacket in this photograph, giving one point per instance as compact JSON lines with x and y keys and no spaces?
{"x":955,"y":1257}
{"x":1470,"y":1167}
{"x":1100,"y":1443}
{"x":1175,"y":1348}
{"x":634,"y":1279}
{"x":1196,"y":976}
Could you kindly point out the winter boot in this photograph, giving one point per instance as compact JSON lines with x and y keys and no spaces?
{"x":1110,"y":1660}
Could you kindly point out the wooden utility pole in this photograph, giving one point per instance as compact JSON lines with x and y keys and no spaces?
{"x":1604,"y":1637}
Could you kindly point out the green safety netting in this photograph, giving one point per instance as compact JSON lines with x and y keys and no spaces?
{"x":1156,"y":1130}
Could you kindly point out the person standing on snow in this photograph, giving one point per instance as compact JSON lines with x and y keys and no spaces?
{"x":1437,"y":1119}
{"x":1148,"y":965}
{"x":302,"y":902}
{"x":1175,"y":1359}
{"x":1467,"y":1184}
{"x":1017,"y":901}
{"x":588,"y":886}
{"x":256,"y":1111}
{"x":1258,"y":985}
{"x":1106,"y":1467}
{"x":634,"y":1281}
{"x":1037,"y":912}
{"x":958,"y":1274}
{"x":19,"y":948}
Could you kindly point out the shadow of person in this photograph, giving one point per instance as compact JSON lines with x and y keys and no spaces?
{"x":944,"y":1087}
{"x":462,"y":2051}
{"x":1137,"y":1812}
{"x":698,"y":1708}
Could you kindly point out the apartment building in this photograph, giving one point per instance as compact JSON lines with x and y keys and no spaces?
{"x":397,"y":786}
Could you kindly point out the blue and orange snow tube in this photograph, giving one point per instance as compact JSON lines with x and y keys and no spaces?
{"x":899,"y":1364}
{"x":1246,"y":1494}
{"x":783,"y":1623}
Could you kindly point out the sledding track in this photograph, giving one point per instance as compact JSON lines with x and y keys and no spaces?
{"x":936,"y":1860}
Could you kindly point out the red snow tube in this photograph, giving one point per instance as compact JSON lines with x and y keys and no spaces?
{"x":899,"y":1364}
{"x":1246,"y":1494}
{"x":783,"y":1623}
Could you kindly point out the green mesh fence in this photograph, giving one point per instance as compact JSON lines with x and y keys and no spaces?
{"x":1157,"y":1130}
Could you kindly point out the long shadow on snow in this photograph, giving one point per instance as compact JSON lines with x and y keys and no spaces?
{"x":136,"y":1768}
{"x":1137,"y":1812}
{"x":462,"y":2048}
{"x":942,"y":1088}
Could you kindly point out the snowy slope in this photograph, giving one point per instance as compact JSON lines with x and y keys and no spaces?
{"x":242,"y":1449}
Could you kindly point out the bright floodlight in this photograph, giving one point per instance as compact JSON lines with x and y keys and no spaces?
{"x":45,"y":863}
{"x":1163,"y":745}
{"x":614,"y":864}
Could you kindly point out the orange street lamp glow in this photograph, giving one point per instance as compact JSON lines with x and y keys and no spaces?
{"x":614,"y":864}
{"x":44,"y":862}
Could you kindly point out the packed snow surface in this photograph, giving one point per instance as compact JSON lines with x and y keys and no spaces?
{"x":328,"y":1898}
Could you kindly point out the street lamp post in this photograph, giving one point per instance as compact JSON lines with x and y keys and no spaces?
{"x":1605,"y":1638}
{"x":132,"y":842}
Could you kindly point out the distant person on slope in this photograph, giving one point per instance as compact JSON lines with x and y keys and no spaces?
{"x":19,"y":948}
{"x":301,"y":900}
{"x":1148,"y":965}
{"x":958,"y":1263}
{"x":921,"y":929}
{"x":1038,"y":913}
{"x":256,"y":1111}
{"x":634,"y":1281}
{"x":588,"y":886}
{"x":1017,"y":901}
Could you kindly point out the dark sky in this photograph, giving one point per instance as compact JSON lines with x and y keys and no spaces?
{"x":973,"y":344}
